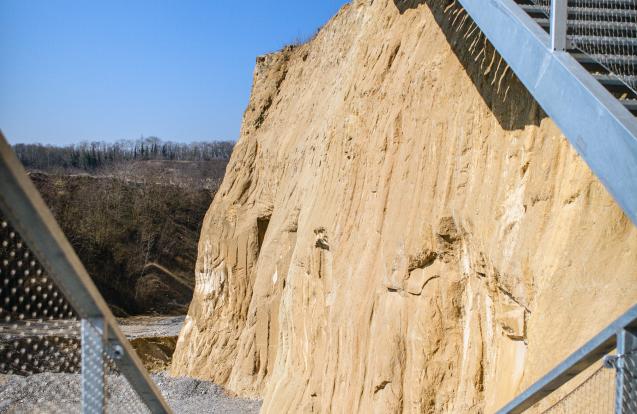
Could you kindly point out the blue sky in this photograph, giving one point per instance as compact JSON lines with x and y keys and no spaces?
{"x":74,"y":70}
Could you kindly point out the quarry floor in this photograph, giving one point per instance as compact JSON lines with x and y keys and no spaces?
{"x":151,"y":326}
{"x":46,"y":393}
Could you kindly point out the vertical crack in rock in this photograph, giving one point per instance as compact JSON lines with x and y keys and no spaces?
{"x":262,"y":228}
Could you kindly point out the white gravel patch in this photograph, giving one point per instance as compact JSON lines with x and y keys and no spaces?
{"x":60,"y":393}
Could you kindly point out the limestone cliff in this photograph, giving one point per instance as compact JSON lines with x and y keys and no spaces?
{"x":401,"y":228}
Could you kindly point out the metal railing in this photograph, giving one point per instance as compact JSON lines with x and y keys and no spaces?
{"x":600,"y":377}
{"x":61,"y":349}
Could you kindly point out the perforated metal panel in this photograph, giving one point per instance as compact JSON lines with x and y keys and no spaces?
{"x":39,"y":332}
{"x":61,"y":350}
{"x":50,"y":360}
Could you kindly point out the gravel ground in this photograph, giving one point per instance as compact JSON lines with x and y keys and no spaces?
{"x":133,"y":327}
{"x":60,"y":393}
{"x":151,"y":326}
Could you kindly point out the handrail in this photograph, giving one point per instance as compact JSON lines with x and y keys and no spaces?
{"x":578,"y":361}
{"x":24,"y":207}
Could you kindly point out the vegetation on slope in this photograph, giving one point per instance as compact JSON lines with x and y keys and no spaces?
{"x":93,"y":156}
{"x":133,"y":221}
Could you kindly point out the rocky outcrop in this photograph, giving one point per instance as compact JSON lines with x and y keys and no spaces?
{"x":400,"y":229}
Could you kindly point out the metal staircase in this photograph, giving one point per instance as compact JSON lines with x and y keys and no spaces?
{"x":578,"y":58}
{"x":602,"y":37}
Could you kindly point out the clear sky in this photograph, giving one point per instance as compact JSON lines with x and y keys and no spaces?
{"x":73,"y":70}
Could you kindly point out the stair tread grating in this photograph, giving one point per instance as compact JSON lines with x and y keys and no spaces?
{"x":630,"y":104}
{"x":587,"y":24}
{"x":591,"y":11}
{"x":612,"y":79}
{"x":604,"y":40}
{"x":593,"y":58}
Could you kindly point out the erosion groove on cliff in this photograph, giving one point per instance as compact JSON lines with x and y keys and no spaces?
{"x":431,"y":235}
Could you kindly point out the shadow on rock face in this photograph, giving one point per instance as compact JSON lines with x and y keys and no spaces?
{"x":404,"y":5}
{"x":509,"y":101}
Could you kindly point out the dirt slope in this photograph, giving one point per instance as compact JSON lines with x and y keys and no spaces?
{"x":137,"y":240}
{"x":401,"y":228}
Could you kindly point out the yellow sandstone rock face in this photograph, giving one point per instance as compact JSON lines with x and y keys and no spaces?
{"x":401,"y":228}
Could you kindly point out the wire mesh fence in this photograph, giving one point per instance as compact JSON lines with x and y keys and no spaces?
{"x":609,"y":387}
{"x":50,"y":360}
{"x":595,"y":394}
{"x":596,"y":379}
{"x":38,"y":327}
{"x":627,"y":380}
{"x":606,"y":30}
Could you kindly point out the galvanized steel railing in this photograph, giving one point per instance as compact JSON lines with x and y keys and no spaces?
{"x":600,"y":377}
{"x":61,"y":349}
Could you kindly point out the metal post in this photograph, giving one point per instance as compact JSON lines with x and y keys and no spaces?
{"x":626,"y":380}
{"x":559,"y":19}
{"x":92,"y":366}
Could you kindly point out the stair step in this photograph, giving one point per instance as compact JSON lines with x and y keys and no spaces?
{"x":594,"y":25}
{"x":630,"y":104}
{"x":603,"y":41}
{"x":585,"y":12}
{"x":609,"y":3}
{"x":535,"y":9}
{"x":605,"y":59}
{"x":614,"y":81}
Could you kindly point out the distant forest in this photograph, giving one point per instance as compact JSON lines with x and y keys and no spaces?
{"x":91,"y":156}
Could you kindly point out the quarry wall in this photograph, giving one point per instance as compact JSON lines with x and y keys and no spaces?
{"x":400,"y":229}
